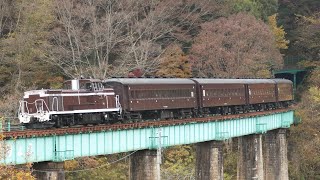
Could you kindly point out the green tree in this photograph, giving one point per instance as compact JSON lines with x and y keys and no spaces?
{"x":290,"y":16}
{"x":308,"y":36}
{"x":261,"y":9}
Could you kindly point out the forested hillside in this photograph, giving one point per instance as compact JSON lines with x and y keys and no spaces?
{"x":44,"y":42}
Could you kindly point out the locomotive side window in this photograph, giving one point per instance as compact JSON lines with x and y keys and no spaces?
{"x":82,"y":85}
{"x":67,"y":86}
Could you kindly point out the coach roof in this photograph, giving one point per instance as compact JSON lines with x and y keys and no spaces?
{"x":233,"y":81}
{"x":150,"y":80}
{"x":283,"y":81}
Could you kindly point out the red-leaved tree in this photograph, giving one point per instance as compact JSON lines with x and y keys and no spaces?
{"x":237,"y":46}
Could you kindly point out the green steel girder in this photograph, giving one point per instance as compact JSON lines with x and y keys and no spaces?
{"x":69,"y":146}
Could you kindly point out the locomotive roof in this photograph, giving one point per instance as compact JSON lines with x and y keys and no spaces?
{"x":150,"y":80}
{"x":233,"y":81}
{"x":84,"y":80}
{"x":189,"y":81}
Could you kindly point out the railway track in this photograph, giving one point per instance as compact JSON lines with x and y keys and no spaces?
{"x":18,"y":132}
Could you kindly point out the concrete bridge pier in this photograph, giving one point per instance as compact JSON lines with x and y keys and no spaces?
{"x":143,"y":165}
{"x":250,"y":160}
{"x":275,"y":155}
{"x":49,"y":171}
{"x":209,"y":160}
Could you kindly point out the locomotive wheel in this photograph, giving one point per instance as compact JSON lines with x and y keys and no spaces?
{"x":58,"y":122}
{"x":71,"y":122}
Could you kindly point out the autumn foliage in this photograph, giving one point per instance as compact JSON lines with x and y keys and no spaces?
{"x":174,"y":63}
{"x":306,"y":156}
{"x":237,"y":46}
{"x":11,"y":172}
{"x":278,"y":32}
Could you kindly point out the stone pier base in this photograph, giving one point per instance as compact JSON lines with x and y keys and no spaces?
{"x":209,"y":160}
{"x":49,"y":171}
{"x":250,"y":160}
{"x":143,"y":165}
{"x":275,"y":155}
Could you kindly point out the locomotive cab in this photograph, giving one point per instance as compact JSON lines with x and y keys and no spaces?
{"x":94,"y":86}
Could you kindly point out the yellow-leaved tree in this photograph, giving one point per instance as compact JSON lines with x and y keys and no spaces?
{"x":179,"y":163}
{"x":278,"y":32}
{"x":315,"y":94}
{"x":174,"y":63}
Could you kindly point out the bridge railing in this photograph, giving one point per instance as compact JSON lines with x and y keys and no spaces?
{"x":8,"y":124}
{"x":5,"y":124}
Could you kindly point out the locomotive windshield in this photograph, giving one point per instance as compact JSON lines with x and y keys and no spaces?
{"x":94,"y":86}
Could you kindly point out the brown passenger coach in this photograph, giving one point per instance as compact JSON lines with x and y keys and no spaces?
{"x":153,"y":97}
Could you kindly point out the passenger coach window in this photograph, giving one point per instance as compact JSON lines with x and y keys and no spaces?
{"x":154,"y":94}
{"x":226,"y":93}
{"x":132,"y":94}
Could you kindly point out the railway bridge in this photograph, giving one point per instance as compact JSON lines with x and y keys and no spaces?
{"x":261,"y":141}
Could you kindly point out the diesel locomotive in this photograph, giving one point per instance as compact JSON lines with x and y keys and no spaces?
{"x":83,"y":101}
{"x":93,"y":101}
